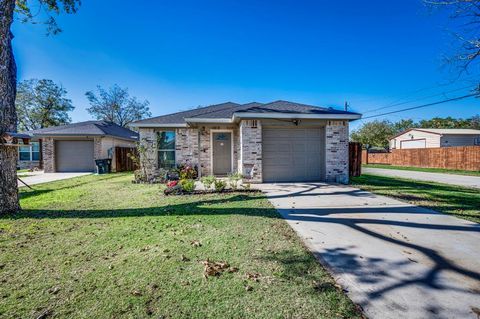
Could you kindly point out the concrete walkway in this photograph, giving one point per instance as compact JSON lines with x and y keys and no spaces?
{"x":459,"y":180}
{"x":394,"y":259}
{"x":40,"y":177}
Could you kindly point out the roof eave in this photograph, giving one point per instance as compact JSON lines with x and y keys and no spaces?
{"x":160,"y":125}
{"x":330,"y":116}
{"x":82,"y":135}
{"x":209,"y":120}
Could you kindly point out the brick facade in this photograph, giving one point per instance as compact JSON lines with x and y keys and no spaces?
{"x":336,"y":151}
{"x":251,"y":150}
{"x":186,"y":146}
{"x":101,"y":147}
{"x":193,"y":145}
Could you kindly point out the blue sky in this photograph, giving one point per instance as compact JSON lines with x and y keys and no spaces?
{"x":181,"y":54}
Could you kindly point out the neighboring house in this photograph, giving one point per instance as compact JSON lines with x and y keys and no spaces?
{"x":274,"y":142}
{"x":433,"y":137}
{"x":74,"y":147}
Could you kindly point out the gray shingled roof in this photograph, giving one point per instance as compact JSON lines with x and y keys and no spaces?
{"x":90,"y":128}
{"x":178,"y":118}
{"x":226,"y":110}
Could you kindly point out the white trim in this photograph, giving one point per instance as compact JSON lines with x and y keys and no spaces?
{"x":159,"y":125}
{"x":249,"y":115}
{"x":208,"y":120}
{"x":231,"y":146}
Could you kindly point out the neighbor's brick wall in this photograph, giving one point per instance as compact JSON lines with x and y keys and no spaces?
{"x":251,"y":150}
{"x":97,"y":148}
{"x":336,"y":156}
{"x":28,"y":164}
{"x":48,"y":155}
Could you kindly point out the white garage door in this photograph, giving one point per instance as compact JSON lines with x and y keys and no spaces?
{"x":74,"y":156}
{"x":293,"y":154}
{"x":413,"y":144}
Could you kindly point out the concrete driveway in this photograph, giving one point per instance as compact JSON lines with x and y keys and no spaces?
{"x":41,"y":177}
{"x":394,"y":259}
{"x":452,"y":179}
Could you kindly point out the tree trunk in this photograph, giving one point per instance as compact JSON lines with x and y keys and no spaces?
{"x":8,"y":115}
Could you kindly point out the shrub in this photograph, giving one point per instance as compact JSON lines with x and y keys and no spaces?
{"x":188,"y":185}
{"x":186,"y":171}
{"x":233,"y":180}
{"x":208,"y":181}
{"x":246,"y":186}
{"x":169,"y":175}
{"x":220,"y":185}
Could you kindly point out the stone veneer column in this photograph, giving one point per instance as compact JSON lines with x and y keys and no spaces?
{"x":251,"y":150}
{"x":336,"y":155}
{"x":48,"y":154}
{"x":148,"y":139}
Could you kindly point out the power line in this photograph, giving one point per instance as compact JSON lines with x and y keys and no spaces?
{"x":398,"y":98}
{"x":424,"y":105}
{"x":418,"y":99}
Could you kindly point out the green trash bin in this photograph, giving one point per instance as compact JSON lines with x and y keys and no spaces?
{"x":104,"y":166}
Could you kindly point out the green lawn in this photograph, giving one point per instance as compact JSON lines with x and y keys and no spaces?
{"x":422,"y":169}
{"x":102,"y":247}
{"x":455,"y":200}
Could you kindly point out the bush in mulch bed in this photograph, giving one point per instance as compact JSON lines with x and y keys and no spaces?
{"x":178,"y":191}
{"x":211,"y":184}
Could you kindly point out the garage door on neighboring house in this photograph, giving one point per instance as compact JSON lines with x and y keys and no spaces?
{"x":293,"y":154}
{"x":419,"y":143}
{"x":74,"y":156}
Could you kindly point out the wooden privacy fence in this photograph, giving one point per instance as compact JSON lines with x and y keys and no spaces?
{"x":460,"y":157}
{"x":123,"y":162}
{"x":355,"y":158}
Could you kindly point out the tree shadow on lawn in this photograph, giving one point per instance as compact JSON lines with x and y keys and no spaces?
{"x":340,"y":258}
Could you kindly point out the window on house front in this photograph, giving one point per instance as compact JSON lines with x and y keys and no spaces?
{"x":30,"y":152}
{"x":166,"y":149}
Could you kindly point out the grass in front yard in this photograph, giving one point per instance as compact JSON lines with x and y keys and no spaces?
{"x":424,"y":169}
{"x":102,"y":247}
{"x":459,"y":201}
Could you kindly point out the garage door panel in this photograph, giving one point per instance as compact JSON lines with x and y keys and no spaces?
{"x":74,"y":156}
{"x":293,"y":154}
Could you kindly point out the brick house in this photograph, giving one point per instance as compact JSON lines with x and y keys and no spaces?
{"x":75,"y":147}
{"x":273,"y":142}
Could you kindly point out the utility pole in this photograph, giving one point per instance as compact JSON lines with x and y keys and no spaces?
{"x":346,"y":106}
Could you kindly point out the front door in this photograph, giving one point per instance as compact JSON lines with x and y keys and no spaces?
{"x":222,"y":153}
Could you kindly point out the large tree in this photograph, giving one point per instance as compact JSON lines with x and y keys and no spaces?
{"x":40,"y":104}
{"x":8,"y":80}
{"x":116,"y":105}
{"x":373,"y":134}
{"x":466,"y":32}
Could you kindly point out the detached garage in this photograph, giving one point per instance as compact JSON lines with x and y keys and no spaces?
{"x":434,"y":137}
{"x":75,"y":147}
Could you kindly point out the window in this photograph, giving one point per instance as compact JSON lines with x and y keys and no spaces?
{"x":166,"y":149}
{"x":35,"y":151}
{"x":30,"y":152}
